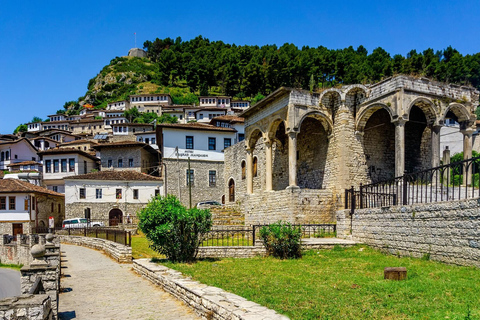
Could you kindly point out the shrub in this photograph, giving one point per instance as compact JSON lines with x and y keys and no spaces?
{"x":282,"y":240}
{"x":173,"y":230}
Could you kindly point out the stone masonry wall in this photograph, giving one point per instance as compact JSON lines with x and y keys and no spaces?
{"x":27,"y":306}
{"x":100,"y":211}
{"x":201,"y":190}
{"x":298,"y":206}
{"x":116,"y":251}
{"x":234,"y":156}
{"x":446,"y":231}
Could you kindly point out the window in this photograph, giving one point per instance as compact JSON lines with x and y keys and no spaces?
{"x":212,"y":143}
{"x":55,"y":188}
{"x":98,"y":194}
{"x":84,"y":166}
{"x":227,"y":142}
{"x":33,"y":203}
{"x":212,"y":178}
{"x":109,"y":163}
{"x":59,"y":208}
{"x":118,"y":193}
{"x":120,"y":163}
{"x":71,"y":165}
{"x":25,"y":205}
{"x":189,"y":142}
{"x":3,"y":203}
{"x":135,"y":194}
{"x":64,"y":165}
{"x":82,"y":193}
{"x":157,"y":192}
{"x":11,"y":202}
{"x":153,"y":140}
{"x":87,"y":213}
{"x":201,"y":115}
{"x":241,"y":137}
{"x":255,"y":166}
{"x":244,"y":169}
{"x":55,"y":165}
{"x":190,"y":177}
{"x":52,"y":207}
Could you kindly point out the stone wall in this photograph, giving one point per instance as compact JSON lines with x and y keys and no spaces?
{"x":299,"y":206}
{"x":100,"y":211}
{"x":227,"y":216}
{"x":445,"y":231}
{"x":27,"y":306}
{"x":208,"y":302}
{"x":7,"y":228}
{"x":116,"y":251}
{"x":44,"y":210}
{"x":234,"y":156}
{"x":201,"y":189}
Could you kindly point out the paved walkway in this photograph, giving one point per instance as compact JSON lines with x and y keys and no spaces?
{"x":9,"y":283}
{"x":96,"y":287}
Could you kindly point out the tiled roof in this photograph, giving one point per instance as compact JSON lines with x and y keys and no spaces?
{"x":19,"y":186}
{"x":229,"y":118}
{"x":126,"y":144}
{"x":194,"y":126}
{"x":77,"y":141}
{"x":121,"y":175}
{"x":54,"y":151}
{"x":23,"y":163}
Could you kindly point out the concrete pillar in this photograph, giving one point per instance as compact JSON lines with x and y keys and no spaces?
{"x":467,"y":154}
{"x":435,"y":145}
{"x":446,"y":160}
{"x":249,"y":170}
{"x":292,"y":159}
{"x":268,"y":165}
{"x":399,"y":147}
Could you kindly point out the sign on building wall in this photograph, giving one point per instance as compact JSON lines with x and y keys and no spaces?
{"x":171,"y":153}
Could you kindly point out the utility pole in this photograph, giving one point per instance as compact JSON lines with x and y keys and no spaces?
{"x":189,"y":183}
{"x":178,"y":171}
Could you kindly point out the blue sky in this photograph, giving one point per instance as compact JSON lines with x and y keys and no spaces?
{"x":50,"y":49}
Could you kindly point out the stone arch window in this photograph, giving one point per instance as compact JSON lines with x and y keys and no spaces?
{"x":7,"y":155}
{"x":255,"y":166}
{"x":2,"y":156}
{"x":244,"y":170}
{"x":231,"y":190}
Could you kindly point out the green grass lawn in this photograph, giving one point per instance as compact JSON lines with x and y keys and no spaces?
{"x":346,"y":284}
{"x":11,"y":266}
{"x":140,"y":248}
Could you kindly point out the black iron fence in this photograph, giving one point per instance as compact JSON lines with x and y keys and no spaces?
{"x":250,"y":236}
{"x":111,"y":234}
{"x":455,"y":181}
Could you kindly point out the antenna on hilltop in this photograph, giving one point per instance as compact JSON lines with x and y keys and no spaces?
{"x":135,"y":39}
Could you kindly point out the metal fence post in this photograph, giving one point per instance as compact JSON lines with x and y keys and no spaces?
{"x":253,"y":235}
{"x":405,"y":189}
{"x":361,"y":195}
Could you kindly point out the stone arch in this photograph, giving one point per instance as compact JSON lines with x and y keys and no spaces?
{"x":244,"y":169}
{"x":418,"y":140}
{"x":357,"y":87}
{"x":428,"y":108}
{"x":253,"y":137}
{"x":329,"y":92}
{"x":279,"y":139}
{"x":231,"y":190}
{"x":459,"y":110}
{"x":115,"y":217}
{"x":367,"y":112}
{"x":354,"y":97}
{"x":331,"y":99}
{"x":273,"y":125}
{"x":321,"y":117}
{"x":312,"y":149}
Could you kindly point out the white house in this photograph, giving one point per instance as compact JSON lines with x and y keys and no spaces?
{"x":148,"y":137}
{"x":203,"y":144}
{"x":24,"y":206}
{"x":60,"y":163}
{"x":231,"y":121}
{"x":16,"y":151}
{"x":141,"y":101}
{"x":220,"y":101}
{"x":118,"y":105}
{"x":240,"y":104}
{"x":111,"y":196}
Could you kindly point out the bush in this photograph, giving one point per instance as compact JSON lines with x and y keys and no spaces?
{"x":282,"y":240}
{"x":173,"y":230}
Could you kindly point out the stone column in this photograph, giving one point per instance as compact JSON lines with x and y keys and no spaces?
{"x":249,"y":170}
{"x":435,"y":145}
{"x":446,"y":160}
{"x":292,"y":159}
{"x":467,"y":154}
{"x":268,"y":165}
{"x":399,"y":146}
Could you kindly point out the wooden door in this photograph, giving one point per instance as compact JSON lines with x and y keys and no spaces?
{"x":17,"y":229}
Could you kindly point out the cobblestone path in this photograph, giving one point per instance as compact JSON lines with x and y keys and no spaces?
{"x":96,"y":287}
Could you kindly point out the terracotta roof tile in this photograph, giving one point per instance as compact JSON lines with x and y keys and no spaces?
{"x":19,"y":186}
{"x":119,"y":175}
{"x":23,"y":163}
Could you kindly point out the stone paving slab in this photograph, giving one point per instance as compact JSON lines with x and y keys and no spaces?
{"x":96,"y":287}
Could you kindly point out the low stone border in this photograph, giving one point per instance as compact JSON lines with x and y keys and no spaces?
{"x":26,"y":306}
{"x":208,"y":302}
{"x":259,"y":250}
{"x":117,"y":251}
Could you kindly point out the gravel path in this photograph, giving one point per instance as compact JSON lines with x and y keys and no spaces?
{"x":96,"y":287}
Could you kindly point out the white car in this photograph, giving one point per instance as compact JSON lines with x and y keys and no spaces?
{"x":208,"y":204}
{"x":77,"y":223}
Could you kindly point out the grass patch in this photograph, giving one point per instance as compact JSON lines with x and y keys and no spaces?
{"x":11,"y":266}
{"x":141,"y":249}
{"x":346,"y":284}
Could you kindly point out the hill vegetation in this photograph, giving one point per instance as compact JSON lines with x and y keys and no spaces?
{"x":199,"y":67}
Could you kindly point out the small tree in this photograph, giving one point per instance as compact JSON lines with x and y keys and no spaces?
{"x":172,"y":229}
{"x":282,"y":240}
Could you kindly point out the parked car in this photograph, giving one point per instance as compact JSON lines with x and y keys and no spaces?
{"x":77,"y":223}
{"x":208,"y":204}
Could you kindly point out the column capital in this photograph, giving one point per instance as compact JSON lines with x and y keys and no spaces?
{"x":292,"y":133}
{"x":468,"y":132}
{"x":400,"y":121}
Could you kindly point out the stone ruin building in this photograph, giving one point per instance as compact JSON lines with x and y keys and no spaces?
{"x":302,"y":149}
